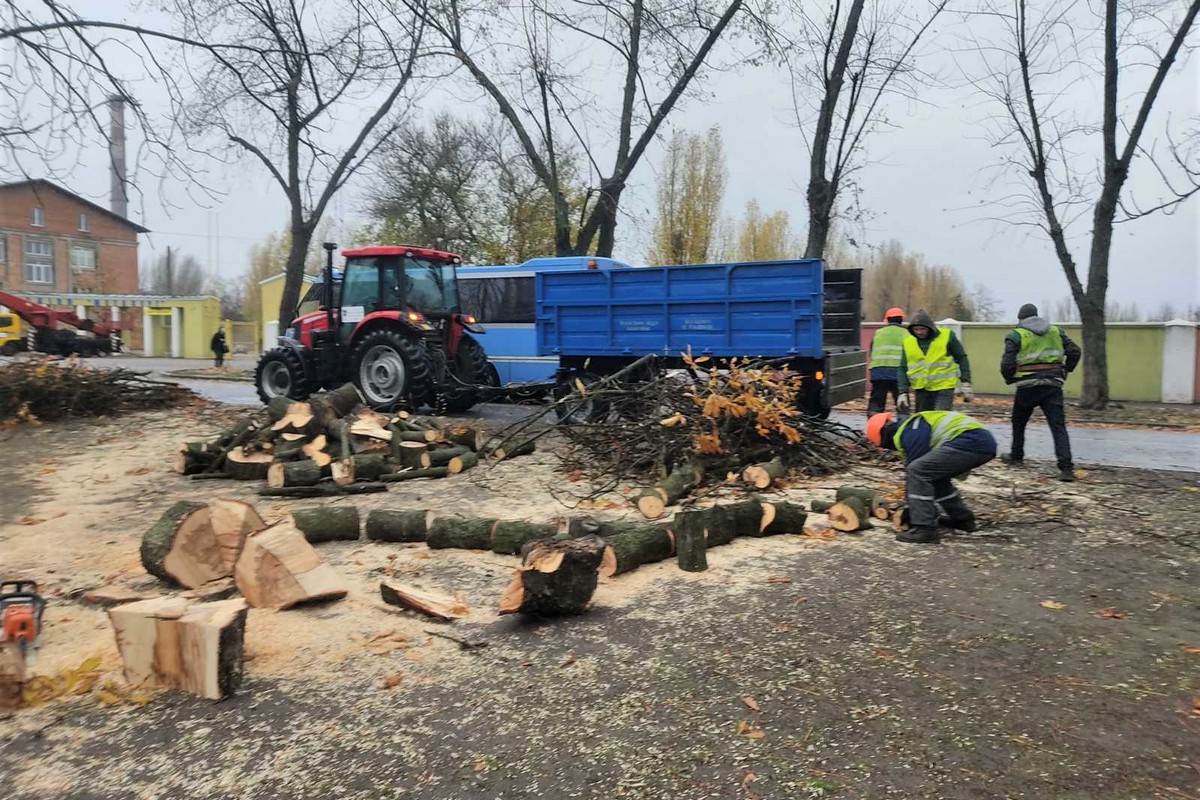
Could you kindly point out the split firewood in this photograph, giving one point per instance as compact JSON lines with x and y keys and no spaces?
{"x":761,"y":476}
{"x":555,"y":578}
{"x":413,"y":474}
{"x":232,"y":521}
{"x":278,"y":568}
{"x":247,"y":466}
{"x":397,"y":526}
{"x":342,"y":471}
{"x":181,"y":644}
{"x":462,"y":463}
{"x":431,"y":604}
{"x":295,"y":473}
{"x":323,"y":490}
{"x":442,"y":457}
{"x":509,"y":537}
{"x":327,"y":523}
{"x":372,"y":425}
{"x":653,"y":502}
{"x":182,"y":548}
{"x":632,"y":545}
{"x":465,"y":436}
{"x":12,"y":675}
{"x":466,"y":533}
{"x":849,"y":515}
{"x":900,"y":520}
{"x":782,"y":517}
{"x":315,"y":450}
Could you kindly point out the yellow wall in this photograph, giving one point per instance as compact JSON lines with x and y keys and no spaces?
{"x":200,"y":319}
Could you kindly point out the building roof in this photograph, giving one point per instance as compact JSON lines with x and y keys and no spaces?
{"x":281,"y":275}
{"x":45,"y":184}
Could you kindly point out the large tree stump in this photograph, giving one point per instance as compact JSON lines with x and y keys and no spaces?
{"x":653,"y":502}
{"x":509,"y":537}
{"x":761,"y":476}
{"x":439,"y":606}
{"x":296,"y":473}
{"x":632,"y":545}
{"x":397,"y":526}
{"x":327,"y":523}
{"x":182,"y":549}
{"x":278,"y":568}
{"x":782,"y":517}
{"x":555,"y":578}
{"x":467,"y":533}
{"x":182,"y":644}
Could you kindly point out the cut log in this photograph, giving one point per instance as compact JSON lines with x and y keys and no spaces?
{"x":182,"y":549}
{"x":315,"y":450}
{"x":338,"y":438}
{"x":467,"y":533}
{"x":441,"y":457}
{"x":278,"y":568}
{"x":821,"y":506}
{"x":872,"y":500}
{"x":630,"y":546}
{"x":397,"y":526}
{"x":288,"y":450}
{"x":508,"y":450}
{"x":462,"y":463}
{"x":410,"y":454}
{"x":342,"y":471}
{"x":556,"y":578}
{"x":849,"y":515}
{"x":182,"y":644}
{"x":761,"y":476}
{"x":691,"y":541}
{"x":408,"y":475}
{"x":509,"y":537}
{"x":232,"y":521}
{"x":370,"y":466}
{"x":421,"y":436}
{"x":295,"y":473}
{"x":465,"y":436}
{"x":900,"y":519}
{"x":244,"y":466}
{"x":335,"y":404}
{"x":371,"y":425}
{"x":323,"y":490}
{"x":327,"y":523}
{"x":12,"y":675}
{"x":782,"y":517}
{"x":653,"y":502}
{"x":277,"y":408}
{"x":298,"y":419}
{"x":738,"y":519}
{"x":230,"y":442}
{"x":193,"y":457}
{"x":431,"y":604}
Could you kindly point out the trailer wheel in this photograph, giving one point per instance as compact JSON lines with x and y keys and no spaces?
{"x":280,"y":374}
{"x":588,"y":409}
{"x":389,"y":369}
{"x":470,"y":367}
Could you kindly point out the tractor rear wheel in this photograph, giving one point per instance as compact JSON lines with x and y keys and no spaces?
{"x":280,"y":373}
{"x":390,"y":370}
{"x":471,"y":368}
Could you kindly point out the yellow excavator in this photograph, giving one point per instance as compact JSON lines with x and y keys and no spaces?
{"x":12,"y":333}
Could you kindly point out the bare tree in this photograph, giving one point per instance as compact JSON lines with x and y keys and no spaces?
{"x":854,"y":56}
{"x":174,"y":274}
{"x":532,"y":61}
{"x":1033,"y":69}
{"x":310,"y":100}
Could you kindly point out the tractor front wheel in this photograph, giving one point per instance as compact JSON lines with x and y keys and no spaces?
{"x":390,"y":370}
{"x":470,"y":369}
{"x":280,"y":373}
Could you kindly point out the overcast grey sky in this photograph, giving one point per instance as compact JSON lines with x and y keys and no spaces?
{"x":926,"y":186}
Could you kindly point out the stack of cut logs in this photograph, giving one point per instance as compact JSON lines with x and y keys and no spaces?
{"x":854,"y":507}
{"x":331,"y":444}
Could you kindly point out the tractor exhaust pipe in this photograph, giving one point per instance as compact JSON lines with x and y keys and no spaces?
{"x":329,"y":248}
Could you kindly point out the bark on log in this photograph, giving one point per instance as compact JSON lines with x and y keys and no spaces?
{"x":467,"y":533}
{"x":335,"y":404}
{"x":630,"y":546}
{"x":460,"y":464}
{"x":821,"y":506}
{"x":465,"y":436}
{"x":408,"y":475}
{"x":323,"y":490}
{"x":296,"y":473}
{"x":691,"y":542}
{"x":739,"y":519}
{"x":782,"y":517}
{"x":370,"y":466}
{"x":298,"y":419}
{"x":555,"y":578}
{"x":508,"y":450}
{"x":182,"y":644}
{"x":653,"y":502}
{"x":278,"y":568}
{"x":411,"y":453}
{"x":327,"y":523}
{"x":244,"y":466}
{"x":761,"y":476}
{"x":194,"y":457}
{"x":181,"y":548}
{"x":849,"y":515}
{"x":442,"y":457}
{"x":229,"y":443}
{"x":872,"y":500}
{"x":509,"y":537}
{"x":277,"y":408}
{"x":397,"y":526}
{"x":431,"y":604}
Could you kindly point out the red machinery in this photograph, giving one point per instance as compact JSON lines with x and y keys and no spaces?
{"x":62,"y":332}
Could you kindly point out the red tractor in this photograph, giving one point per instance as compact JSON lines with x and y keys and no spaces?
{"x":391,"y":324}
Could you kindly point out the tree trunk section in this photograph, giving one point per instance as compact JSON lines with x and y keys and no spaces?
{"x":323,"y":490}
{"x":555,"y":578}
{"x":464,"y":436}
{"x":232,"y":521}
{"x":508,"y":450}
{"x":849,"y":515}
{"x":397,"y":526}
{"x":653,"y":502}
{"x":297,"y":473}
{"x":278,"y":568}
{"x":761,"y":476}
{"x":632,"y":545}
{"x":509,"y":537}
{"x":691,"y":542}
{"x":327,"y":523}
{"x":462,"y":463}
{"x":433,"y":472}
{"x":244,"y":466}
{"x":1094,"y":393}
{"x":442,"y":457}
{"x":467,"y":533}
{"x":782,"y":517}
{"x":182,"y":549}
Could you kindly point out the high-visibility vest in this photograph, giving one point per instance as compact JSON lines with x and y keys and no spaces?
{"x":934,"y":369}
{"x":944,"y":425}
{"x":1044,"y":349}
{"x":887,"y":347}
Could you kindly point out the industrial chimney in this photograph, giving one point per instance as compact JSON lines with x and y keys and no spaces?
{"x":118,"y":196}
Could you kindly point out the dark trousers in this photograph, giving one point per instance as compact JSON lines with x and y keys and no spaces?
{"x":1050,"y":400}
{"x":925,"y":400}
{"x":219,"y":359}
{"x":880,"y":390}
{"x":929,"y":484}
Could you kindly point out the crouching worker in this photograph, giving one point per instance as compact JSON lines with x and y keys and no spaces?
{"x":937,"y":446}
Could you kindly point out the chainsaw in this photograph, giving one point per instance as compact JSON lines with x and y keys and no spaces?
{"x":21,"y":610}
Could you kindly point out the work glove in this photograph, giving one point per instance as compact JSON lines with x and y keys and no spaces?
{"x":902,"y":405}
{"x":965,"y":392}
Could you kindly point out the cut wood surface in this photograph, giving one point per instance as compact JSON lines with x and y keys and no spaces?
{"x":442,"y":456}
{"x":761,"y":476}
{"x":555,"y":578}
{"x":232,"y":521}
{"x":247,"y":466}
{"x":182,"y":549}
{"x":315,"y":450}
{"x":342,"y":471}
{"x":507,"y":450}
{"x":653,"y":502}
{"x":278,"y":568}
{"x":432,"y":604}
{"x":295,"y":473}
{"x":900,"y":519}
{"x":462,"y":463}
{"x":384,"y":525}
{"x":327,"y":523}
{"x":631,"y":546}
{"x":182,"y":644}
{"x":849,"y":515}
{"x":465,"y":436}
{"x":782,"y":517}
{"x":410,"y":454}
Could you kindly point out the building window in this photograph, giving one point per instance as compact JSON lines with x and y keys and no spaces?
{"x":83,"y":257}
{"x":39,"y":261}
{"x":85,"y":224}
{"x":39,"y":217}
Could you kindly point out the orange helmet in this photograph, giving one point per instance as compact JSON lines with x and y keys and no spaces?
{"x":875,"y":427}
{"x":893,"y":312}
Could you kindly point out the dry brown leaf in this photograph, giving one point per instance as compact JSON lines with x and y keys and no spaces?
{"x":30,"y":521}
{"x":779,"y":579}
{"x":749,"y":730}
{"x":1190,"y":649}
{"x":1110,"y":613}
{"x":575,"y":475}
{"x":47,"y":470}
{"x":750,"y":703}
{"x":1052,"y":604}
{"x":569,"y":661}
{"x":420,"y":555}
{"x":392,"y":680}
{"x":885,"y":653}
{"x":1196,"y":706}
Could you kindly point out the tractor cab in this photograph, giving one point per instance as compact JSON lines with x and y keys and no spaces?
{"x":391,"y":324}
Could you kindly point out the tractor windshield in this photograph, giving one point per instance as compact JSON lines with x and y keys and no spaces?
{"x":430,"y":286}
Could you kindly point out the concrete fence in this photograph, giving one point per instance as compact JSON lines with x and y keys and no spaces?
{"x":1156,"y":362}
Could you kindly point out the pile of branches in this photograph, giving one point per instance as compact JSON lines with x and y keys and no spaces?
{"x":47,"y":389}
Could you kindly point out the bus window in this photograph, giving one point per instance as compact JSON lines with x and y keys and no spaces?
{"x":498,"y":299}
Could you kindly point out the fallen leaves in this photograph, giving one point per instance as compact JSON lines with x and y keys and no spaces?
{"x":749,"y":730}
{"x":1189,"y":649}
{"x":1110,"y":613}
{"x":885,"y":653}
{"x":869,"y":712}
{"x":1052,"y":604}
{"x":750,"y":703}
{"x":570,"y":659}
{"x":80,"y":680}
{"x":391,"y":680}
{"x":1196,"y":706}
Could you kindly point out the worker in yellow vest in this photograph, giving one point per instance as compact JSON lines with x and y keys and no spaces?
{"x":934,"y":366}
{"x":937,"y":446}
{"x":887,"y":349}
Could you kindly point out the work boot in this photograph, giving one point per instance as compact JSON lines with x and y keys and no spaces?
{"x":919,"y":535}
{"x":1066,"y":475}
{"x":1011,"y":460}
{"x":960,"y":522}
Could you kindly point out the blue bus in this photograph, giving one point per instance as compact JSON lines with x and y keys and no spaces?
{"x":502,"y":298}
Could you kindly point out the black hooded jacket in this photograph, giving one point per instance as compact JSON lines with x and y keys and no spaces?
{"x":1048,"y":377}
{"x":953,"y":347}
